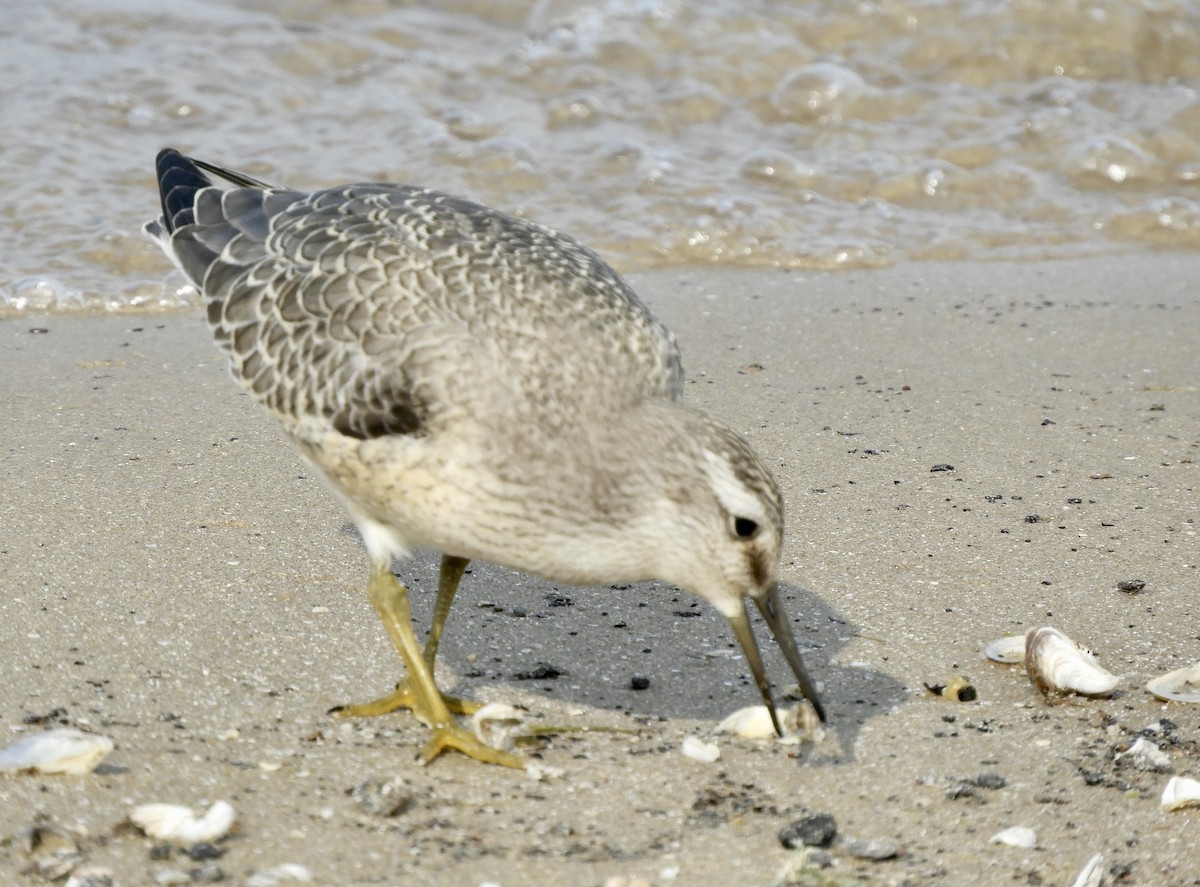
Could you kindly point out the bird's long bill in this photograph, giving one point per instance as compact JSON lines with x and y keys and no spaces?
{"x":781,"y":630}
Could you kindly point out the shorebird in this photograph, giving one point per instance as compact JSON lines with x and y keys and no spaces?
{"x":479,"y":385}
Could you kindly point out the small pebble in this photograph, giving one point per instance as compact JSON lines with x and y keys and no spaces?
{"x":990,"y":780}
{"x":873,"y":850}
{"x":382,"y":797}
{"x":818,"y":830}
{"x":1131,"y":586}
{"x":202,"y":851}
{"x":639,"y":682}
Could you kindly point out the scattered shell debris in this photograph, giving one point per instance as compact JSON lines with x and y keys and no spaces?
{"x":49,"y":851}
{"x":1181,"y":685}
{"x":1145,"y":755}
{"x":1009,"y":650}
{"x":1181,"y":791}
{"x":497,"y":725}
{"x":1058,"y":666}
{"x":1016,"y":836}
{"x":957,"y":689}
{"x":1092,"y":874}
{"x":698,"y":750}
{"x":62,"y":750}
{"x":171,"y":822}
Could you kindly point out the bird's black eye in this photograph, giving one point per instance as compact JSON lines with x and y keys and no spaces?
{"x":745,"y":528}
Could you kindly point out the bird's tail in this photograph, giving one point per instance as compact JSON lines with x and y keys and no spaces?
{"x":179,"y":178}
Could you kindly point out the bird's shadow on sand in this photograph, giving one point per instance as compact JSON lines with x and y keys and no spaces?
{"x":645,"y":650}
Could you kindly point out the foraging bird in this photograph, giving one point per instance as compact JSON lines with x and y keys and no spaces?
{"x":480,"y":385}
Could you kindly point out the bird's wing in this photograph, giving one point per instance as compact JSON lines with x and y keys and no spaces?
{"x":365,"y":305}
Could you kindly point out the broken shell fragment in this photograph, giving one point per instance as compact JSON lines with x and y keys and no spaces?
{"x":1181,"y":792}
{"x":64,"y":750}
{"x":1145,"y":755}
{"x":1017,"y":836}
{"x":1058,"y":666}
{"x":1092,"y":874}
{"x":957,"y":689}
{"x":1181,"y":685}
{"x":496,"y":725}
{"x":170,"y":822}
{"x":51,"y":852}
{"x":1009,"y":650}
{"x":698,"y":750}
{"x":754,"y":722}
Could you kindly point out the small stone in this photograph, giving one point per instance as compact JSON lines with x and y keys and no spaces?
{"x":1131,"y":586}
{"x":942,"y":466}
{"x":639,"y":682}
{"x":202,"y":851}
{"x":160,"y":851}
{"x":209,"y":873}
{"x":382,"y":797}
{"x":876,"y":851}
{"x":990,"y":780}
{"x":818,"y":830}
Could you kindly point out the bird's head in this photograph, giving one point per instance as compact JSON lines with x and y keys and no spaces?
{"x":724,"y":512}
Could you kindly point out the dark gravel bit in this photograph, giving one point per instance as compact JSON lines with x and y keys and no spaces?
{"x":1033,"y":518}
{"x":382,"y":797}
{"x":559,"y":600}
{"x":160,"y":852}
{"x":202,"y":851}
{"x":942,"y":466}
{"x":639,"y":682}
{"x":962,"y":791}
{"x":208,"y":874}
{"x":818,"y":830}
{"x":1131,"y":586}
{"x":543,"y":671}
{"x":990,"y":780}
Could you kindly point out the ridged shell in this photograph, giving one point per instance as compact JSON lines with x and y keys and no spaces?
{"x":1181,"y":685}
{"x":170,"y":822}
{"x":64,"y":750}
{"x":1058,"y":666}
{"x":1009,"y":650}
{"x":1181,"y":792}
{"x":1092,"y":874}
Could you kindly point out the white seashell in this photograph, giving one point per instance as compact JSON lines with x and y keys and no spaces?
{"x":1181,"y":685}
{"x":698,"y":750}
{"x":289,"y":871}
{"x":1009,"y":650}
{"x":1092,"y":874}
{"x":754,"y":722}
{"x":1181,"y":792}
{"x":171,"y":822}
{"x":64,"y":750}
{"x":497,"y":724}
{"x":1017,"y":836}
{"x":1145,"y":755}
{"x":1059,"y":666}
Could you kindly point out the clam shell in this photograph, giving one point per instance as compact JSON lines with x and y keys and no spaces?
{"x":497,"y":725}
{"x":698,"y":750}
{"x":1181,"y":792}
{"x":170,"y":822}
{"x":1181,"y":685}
{"x":64,"y":750}
{"x":1009,"y":650}
{"x":1058,"y":666}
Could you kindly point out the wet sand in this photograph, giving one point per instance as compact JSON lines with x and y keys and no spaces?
{"x":175,"y":578}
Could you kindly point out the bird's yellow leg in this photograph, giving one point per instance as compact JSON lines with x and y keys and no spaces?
{"x":390,"y":599}
{"x":402,"y":697}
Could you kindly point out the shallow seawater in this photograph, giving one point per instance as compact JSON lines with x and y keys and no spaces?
{"x":660,"y":132}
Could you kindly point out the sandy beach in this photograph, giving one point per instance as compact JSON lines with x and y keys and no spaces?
{"x":177,"y":579}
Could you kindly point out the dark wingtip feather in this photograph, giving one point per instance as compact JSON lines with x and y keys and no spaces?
{"x":179,"y":178}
